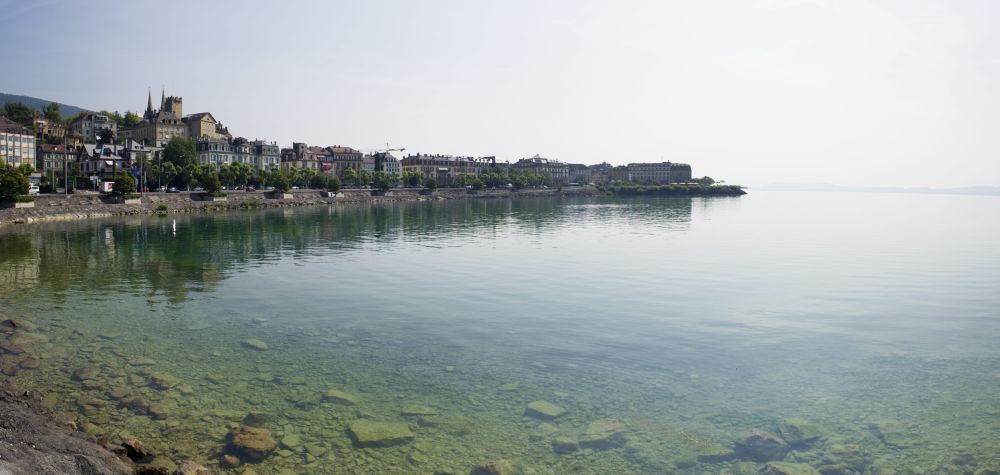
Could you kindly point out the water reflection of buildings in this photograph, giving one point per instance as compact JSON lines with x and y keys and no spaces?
{"x":172,"y":258}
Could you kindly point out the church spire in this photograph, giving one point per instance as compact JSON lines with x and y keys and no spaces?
{"x":149,"y":105}
{"x":163,"y":98}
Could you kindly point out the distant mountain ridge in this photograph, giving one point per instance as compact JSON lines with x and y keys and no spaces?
{"x":35,"y":103}
{"x":965,"y":190}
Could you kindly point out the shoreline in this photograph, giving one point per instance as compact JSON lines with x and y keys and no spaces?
{"x":79,"y":206}
{"x":87,"y":206}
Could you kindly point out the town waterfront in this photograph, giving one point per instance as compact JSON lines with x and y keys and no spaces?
{"x":857,"y":330}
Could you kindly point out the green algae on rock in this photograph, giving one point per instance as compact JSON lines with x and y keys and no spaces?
{"x":603,"y":434}
{"x":785,"y":468}
{"x":255,"y":344}
{"x":250,"y":443}
{"x":369,"y":433}
{"x":341,"y":397}
{"x":543,"y":410}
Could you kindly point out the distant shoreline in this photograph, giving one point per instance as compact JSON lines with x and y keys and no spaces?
{"x":917,"y":190}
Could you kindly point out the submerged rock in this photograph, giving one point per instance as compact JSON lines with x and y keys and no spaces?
{"x":715,"y":454}
{"x":603,"y":434}
{"x":785,"y":468}
{"x":418,"y":411}
{"x":291,"y":441}
{"x":191,"y":468}
{"x":137,"y":452}
{"x":543,"y":410}
{"x":118,"y":393}
{"x":564,"y":445}
{"x":257,"y":418}
{"x":26,"y":339}
{"x":83,"y":374}
{"x":340,"y":397}
{"x":255,"y":344}
{"x":136,"y":403}
{"x":142,"y":361}
{"x":8,"y":347}
{"x":497,"y":467}
{"x":162,"y":380}
{"x":543,"y":431}
{"x":798,"y":432}
{"x":847,"y":455}
{"x":250,"y":443}
{"x":763,"y":446}
{"x":29,"y":363}
{"x":891,"y":432}
{"x":18,"y":324}
{"x":159,"y":410}
{"x":368,"y":433}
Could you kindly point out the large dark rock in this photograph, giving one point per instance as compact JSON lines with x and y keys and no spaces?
{"x":762,"y":446}
{"x":31,"y":443}
{"x":250,"y":443}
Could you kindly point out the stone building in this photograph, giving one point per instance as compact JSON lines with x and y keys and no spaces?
{"x":265,"y":156}
{"x":47,"y":129}
{"x":538,"y":165}
{"x":204,"y":126}
{"x":302,"y":155}
{"x":386,"y":162}
{"x":444,"y":168}
{"x":52,"y":158}
{"x":17,"y":144}
{"x":258,"y":154}
{"x":664,"y":172}
{"x":104,"y":160}
{"x":90,"y":125}
{"x":158,"y":126}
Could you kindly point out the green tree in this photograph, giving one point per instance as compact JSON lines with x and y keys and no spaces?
{"x":12,"y":183}
{"x":115,"y":116}
{"x":705,"y":181}
{"x":351,"y":175}
{"x":318,"y":181}
{"x":412,"y":178}
{"x":52,"y":112}
{"x":364,"y":177}
{"x":123,"y":185}
{"x":281,"y":182}
{"x":19,"y":113}
{"x":381,"y":181}
{"x":131,"y":119}
{"x":181,"y":152}
{"x":431,"y":183}
{"x":208,"y":178}
{"x":69,"y":120}
{"x":333,"y":184}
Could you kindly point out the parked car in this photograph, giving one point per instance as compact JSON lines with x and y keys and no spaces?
{"x":250,"y":188}
{"x":173,"y":190}
{"x":33,"y":190}
{"x":198,"y":188}
{"x":162,"y":189}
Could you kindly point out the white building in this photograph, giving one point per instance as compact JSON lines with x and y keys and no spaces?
{"x":17,"y":144}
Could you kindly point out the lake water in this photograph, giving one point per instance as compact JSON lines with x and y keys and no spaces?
{"x":665,"y":329}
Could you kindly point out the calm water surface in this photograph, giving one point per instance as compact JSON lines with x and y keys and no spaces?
{"x":667,"y":329}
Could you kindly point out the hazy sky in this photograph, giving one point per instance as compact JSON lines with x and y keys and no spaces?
{"x":753,"y":92}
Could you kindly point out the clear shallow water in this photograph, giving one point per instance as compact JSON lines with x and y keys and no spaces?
{"x":689,"y":322}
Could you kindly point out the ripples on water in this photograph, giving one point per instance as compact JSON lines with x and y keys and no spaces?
{"x":688,"y":321}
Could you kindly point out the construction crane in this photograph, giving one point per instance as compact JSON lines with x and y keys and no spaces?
{"x":387,"y":149}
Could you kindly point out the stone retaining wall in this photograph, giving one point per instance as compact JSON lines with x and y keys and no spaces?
{"x":84,"y":206}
